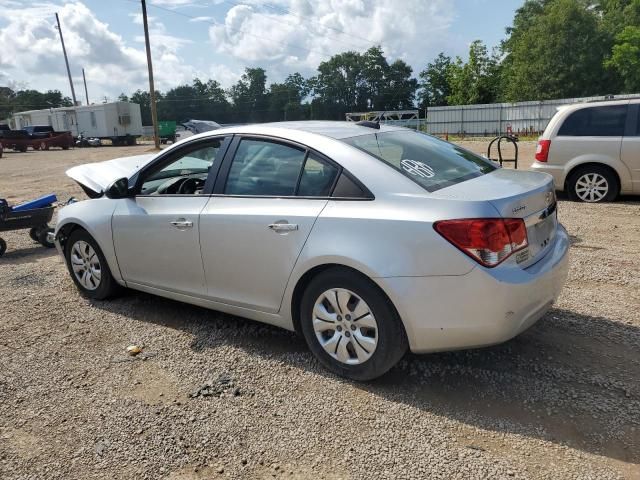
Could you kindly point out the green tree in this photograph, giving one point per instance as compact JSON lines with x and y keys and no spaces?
{"x":475,"y":81}
{"x":625,"y":58}
{"x":250,"y":96}
{"x":401,"y":86}
{"x":143,"y":98}
{"x":339,"y":87}
{"x":285,"y":99}
{"x":351,"y":81}
{"x":434,"y":85}
{"x":555,"y":49}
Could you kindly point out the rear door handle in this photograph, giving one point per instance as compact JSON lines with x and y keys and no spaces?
{"x":181,"y":223}
{"x":283,"y":227}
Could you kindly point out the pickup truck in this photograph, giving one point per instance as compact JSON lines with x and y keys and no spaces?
{"x":21,"y":140}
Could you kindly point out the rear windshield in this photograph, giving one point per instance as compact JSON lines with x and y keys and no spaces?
{"x":430,"y":162}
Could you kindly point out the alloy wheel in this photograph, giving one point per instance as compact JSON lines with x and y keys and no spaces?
{"x":592,"y":187}
{"x":86,"y":265}
{"x":345,"y":326}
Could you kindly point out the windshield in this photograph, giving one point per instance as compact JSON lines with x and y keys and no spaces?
{"x":430,"y":162}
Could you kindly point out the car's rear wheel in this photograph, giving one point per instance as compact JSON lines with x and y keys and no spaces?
{"x":593,"y":184}
{"x":88,"y":266}
{"x":350,"y":325}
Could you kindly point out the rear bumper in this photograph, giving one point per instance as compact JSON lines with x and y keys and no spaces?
{"x":556,"y":171}
{"x":483,"y":307}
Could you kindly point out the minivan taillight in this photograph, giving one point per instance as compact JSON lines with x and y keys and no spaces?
{"x":542,"y":150}
{"x":489,"y":241}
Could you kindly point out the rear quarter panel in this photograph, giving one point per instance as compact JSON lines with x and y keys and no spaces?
{"x":391,"y":237}
{"x":571,"y":152}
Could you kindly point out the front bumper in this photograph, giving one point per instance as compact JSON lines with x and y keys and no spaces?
{"x":484,"y":307}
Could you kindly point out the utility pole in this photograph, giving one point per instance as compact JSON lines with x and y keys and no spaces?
{"x":86,"y":93}
{"x":66,"y":60}
{"x":152,"y":90}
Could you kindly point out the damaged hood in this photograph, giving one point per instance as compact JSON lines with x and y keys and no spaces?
{"x":98,"y":176}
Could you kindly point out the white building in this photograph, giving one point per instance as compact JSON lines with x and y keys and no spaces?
{"x":117,"y":121}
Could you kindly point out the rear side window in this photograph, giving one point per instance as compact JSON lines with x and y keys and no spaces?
{"x":428,"y":161}
{"x":595,"y":122}
{"x":317,"y":177}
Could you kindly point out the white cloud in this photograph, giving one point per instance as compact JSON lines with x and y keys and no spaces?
{"x":31,"y":49}
{"x":281,"y":36}
{"x":299,"y":34}
{"x":204,"y":19}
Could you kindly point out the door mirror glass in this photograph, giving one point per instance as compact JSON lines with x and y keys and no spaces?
{"x":118,"y":189}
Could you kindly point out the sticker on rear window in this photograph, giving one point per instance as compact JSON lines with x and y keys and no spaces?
{"x":417,"y":169}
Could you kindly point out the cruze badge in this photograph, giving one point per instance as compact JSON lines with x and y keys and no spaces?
{"x":519,"y":209}
{"x":417,"y":169}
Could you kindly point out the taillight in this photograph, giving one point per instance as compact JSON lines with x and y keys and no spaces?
{"x":542,"y":150}
{"x":489,"y":241}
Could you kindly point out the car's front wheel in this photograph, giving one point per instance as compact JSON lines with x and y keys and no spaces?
{"x":592,"y":184}
{"x":88,"y":266}
{"x":350,"y":326}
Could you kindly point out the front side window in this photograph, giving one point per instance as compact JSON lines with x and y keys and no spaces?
{"x":265,"y":168}
{"x":428,"y":161}
{"x":184,"y":175}
{"x":595,"y":122}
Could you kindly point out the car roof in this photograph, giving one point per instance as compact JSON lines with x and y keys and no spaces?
{"x":597,"y":103}
{"x":332,"y":129}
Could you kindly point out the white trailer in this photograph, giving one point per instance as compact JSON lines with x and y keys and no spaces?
{"x":119,"y":122}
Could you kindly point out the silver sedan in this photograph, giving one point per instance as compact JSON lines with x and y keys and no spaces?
{"x":368,"y":240}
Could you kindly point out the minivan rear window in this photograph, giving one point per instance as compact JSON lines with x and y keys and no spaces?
{"x":430,"y":162}
{"x":595,"y":122}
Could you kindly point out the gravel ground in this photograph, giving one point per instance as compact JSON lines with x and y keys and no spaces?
{"x":214,"y":396}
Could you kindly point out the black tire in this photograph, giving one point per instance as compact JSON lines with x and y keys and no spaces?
{"x":34,"y":232}
{"x":391,"y":338}
{"x":613,"y":187}
{"x":3,"y":247}
{"x":43,"y":237}
{"x":107,"y":286}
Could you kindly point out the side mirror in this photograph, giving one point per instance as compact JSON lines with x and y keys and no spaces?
{"x":118,"y":189}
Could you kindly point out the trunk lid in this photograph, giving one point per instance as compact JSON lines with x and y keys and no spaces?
{"x":516,"y":194}
{"x":96,"y":177}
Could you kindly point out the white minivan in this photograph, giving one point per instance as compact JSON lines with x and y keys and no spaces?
{"x":593,"y":150}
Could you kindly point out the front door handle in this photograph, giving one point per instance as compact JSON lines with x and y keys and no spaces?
{"x":283,"y":227}
{"x":181,"y":223}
